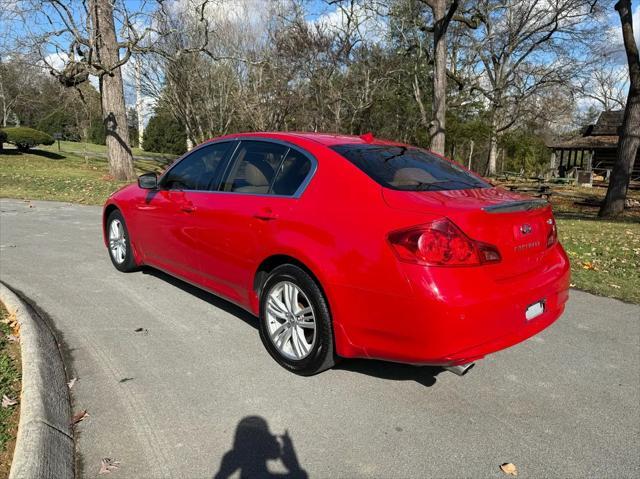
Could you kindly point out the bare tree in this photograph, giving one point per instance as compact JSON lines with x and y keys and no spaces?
{"x":10,"y":93}
{"x":194,"y":66}
{"x":82,"y":37}
{"x":443,"y":12}
{"x":111,"y":89}
{"x":630,"y":138}
{"x":520,"y":49}
{"x":78,"y":40}
{"x":604,"y":85}
{"x":431,"y":56}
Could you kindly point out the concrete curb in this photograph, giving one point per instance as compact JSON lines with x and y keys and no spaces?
{"x":45,"y":446}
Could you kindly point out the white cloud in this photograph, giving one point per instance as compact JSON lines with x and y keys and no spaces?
{"x":57,"y":60}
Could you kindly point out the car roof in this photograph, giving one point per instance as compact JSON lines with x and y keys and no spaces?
{"x":326,"y":139}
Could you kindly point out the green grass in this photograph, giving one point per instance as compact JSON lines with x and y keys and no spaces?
{"x":605,"y":256}
{"x":9,"y":385}
{"x":80,"y":149}
{"x":45,"y":174}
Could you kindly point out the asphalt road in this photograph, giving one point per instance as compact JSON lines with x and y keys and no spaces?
{"x":167,"y":401}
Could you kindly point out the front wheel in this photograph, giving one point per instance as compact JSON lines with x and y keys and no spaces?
{"x":120,"y":250}
{"x":295,"y":322}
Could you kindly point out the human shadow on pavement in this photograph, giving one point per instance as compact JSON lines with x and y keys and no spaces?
{"x":210,"y":298}
{"x":253,"y":447}
{"x":425,"y":375}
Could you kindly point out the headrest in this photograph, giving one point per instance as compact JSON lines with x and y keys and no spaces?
{"x":411,"y":176}
{"x":258,"y":172}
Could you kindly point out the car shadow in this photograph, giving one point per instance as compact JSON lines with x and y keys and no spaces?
{"x":425,"y":375}
{"x":253,"y":446}
{"x":210,"y":298}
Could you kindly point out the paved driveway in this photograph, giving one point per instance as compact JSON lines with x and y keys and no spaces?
{"x":196,"y":385}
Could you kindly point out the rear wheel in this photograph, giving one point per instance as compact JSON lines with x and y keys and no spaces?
{"x":295,"y":322}
{"x":119,"y":243}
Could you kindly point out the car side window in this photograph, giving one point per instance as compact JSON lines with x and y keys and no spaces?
{"x":201,"y":170}
{"x":255,"y":167}
{"x":295,"y":168}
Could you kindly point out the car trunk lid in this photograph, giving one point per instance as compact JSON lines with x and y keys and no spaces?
{"x":517,"y":225}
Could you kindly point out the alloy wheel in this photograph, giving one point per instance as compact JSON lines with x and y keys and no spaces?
{"x":117,"y":241}
{"x":291,"y":321}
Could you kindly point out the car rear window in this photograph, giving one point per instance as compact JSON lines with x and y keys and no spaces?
{"x":408,"y":168}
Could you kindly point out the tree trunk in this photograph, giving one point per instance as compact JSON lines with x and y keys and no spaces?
{"x":437,"y":124}
{"x":630,"y":138}
{"x":492,"y":164}
{"x":112,"y":93}
{"x":139,"y":105}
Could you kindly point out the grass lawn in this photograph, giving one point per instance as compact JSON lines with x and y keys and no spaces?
{"x":9,"y":386}
{"x":92,"y":149}
{"x":605,"y":255}
{"x":78,"y":173}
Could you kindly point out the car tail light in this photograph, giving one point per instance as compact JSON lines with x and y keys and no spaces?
{"x":441,"y":243}
{"x":552,"y":236}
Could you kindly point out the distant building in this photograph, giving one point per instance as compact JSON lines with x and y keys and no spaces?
{"x":595,"y":150}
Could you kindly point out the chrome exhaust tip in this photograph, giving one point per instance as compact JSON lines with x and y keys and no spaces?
{"x":461,"y":369}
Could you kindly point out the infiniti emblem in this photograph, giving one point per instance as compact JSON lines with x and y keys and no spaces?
{"x":525,"y":229}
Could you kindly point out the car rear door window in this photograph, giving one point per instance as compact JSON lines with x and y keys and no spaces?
{"x":200,"y":170}
{"x":294,"y":170}
{"x":407,"y":168}
{"x":254,"y":167}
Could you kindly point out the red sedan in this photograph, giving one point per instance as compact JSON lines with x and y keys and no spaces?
{"x":348,"y":246}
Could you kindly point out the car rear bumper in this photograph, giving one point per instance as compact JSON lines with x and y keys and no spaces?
{"x":454,"y":315}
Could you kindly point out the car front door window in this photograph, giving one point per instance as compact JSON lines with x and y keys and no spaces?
{"x":199,"y":171}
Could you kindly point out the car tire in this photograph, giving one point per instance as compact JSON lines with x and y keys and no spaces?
{"x":122,"y":254}
{"x":307,"y":350}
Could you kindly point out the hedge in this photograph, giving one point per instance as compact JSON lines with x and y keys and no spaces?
{"x":24,"y":138}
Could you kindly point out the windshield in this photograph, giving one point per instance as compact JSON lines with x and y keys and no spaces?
{"x":409,"y":169}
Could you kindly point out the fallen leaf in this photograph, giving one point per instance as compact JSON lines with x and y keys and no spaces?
{"x":79,"y":416}
{"x":13,"y":338}
{"x":107,"y":465}
{"x":72,"y":382}
{"x":7,"y":401}
{"x":509,"y":469}
{"x":10,"y":319}
{"x":141,"y":330}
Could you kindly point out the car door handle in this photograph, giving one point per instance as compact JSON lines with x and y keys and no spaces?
{"x":266,"y":215}
{"x":187,"y":207}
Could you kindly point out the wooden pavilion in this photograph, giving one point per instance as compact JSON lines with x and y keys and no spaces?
{"x":595,"y":150}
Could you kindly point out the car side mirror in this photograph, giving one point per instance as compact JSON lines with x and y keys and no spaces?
{"x":148,"y":181}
